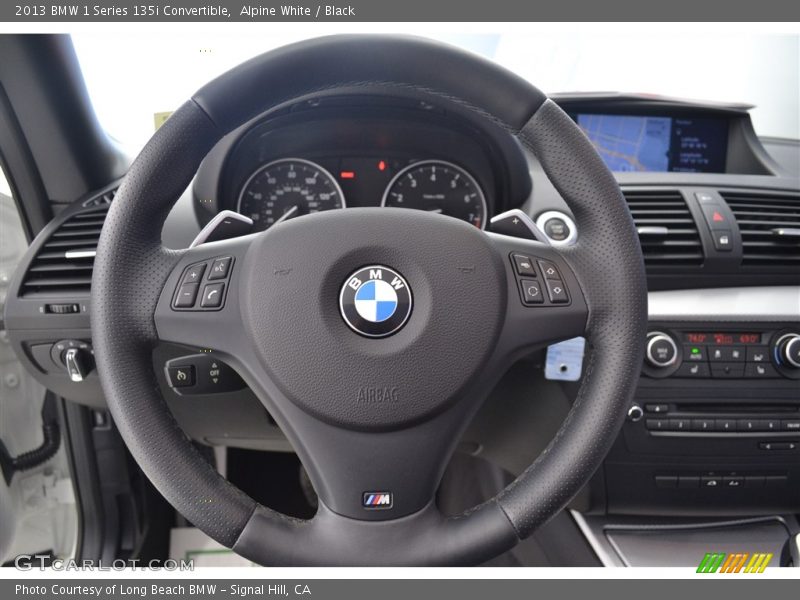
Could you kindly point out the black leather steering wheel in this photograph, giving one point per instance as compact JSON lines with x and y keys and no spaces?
{"x":373,"y":419}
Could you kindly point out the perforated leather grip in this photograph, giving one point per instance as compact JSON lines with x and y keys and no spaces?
{"x":132,"y":266}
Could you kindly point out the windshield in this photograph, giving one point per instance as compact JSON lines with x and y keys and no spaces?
{"x":133,"y":77}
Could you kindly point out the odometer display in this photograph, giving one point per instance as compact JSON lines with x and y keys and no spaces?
{"x":287,"y":188}
{"x":440,"y":187}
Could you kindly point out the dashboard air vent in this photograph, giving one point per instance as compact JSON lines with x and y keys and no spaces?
{"x":63,"y":265}
{"x":770,"y":227}
{"x":667,"y":230}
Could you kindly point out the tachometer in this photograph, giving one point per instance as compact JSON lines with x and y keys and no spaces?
{"x":440,"y":187}
{"x":287,"y":188}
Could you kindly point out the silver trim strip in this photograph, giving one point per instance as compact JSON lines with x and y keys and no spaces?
{"x":70,"y":254}
{"x":605,"y":558}
{"x":555,"y":214}
{"x":774,"y":303}
{"x":214,"y":223}
{"x":537,"y":233}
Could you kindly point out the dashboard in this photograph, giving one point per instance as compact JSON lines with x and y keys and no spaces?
{"x":357,"y":152}
{"x":714,"y":426}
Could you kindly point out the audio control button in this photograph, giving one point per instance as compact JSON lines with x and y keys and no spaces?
{"x":661,"y":350}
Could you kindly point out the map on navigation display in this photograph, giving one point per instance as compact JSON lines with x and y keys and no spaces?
{"x":629,"y":143}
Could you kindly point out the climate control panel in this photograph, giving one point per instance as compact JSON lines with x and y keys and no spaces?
{"x":705,"y":353}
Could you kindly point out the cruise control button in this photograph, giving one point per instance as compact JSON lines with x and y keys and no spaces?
{"x":194,"y":273}
{"x":557,"y":291}
{"x":523,"y":265}
{"x":212,"y":295}
{"x":180,"y":377}
{"x":187,"y":294}
{"x":549,"y":270}
{"x":220,"y":268}
{"x":531,"y":291}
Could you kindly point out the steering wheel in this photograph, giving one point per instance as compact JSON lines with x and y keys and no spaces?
{"x":372,"y":335}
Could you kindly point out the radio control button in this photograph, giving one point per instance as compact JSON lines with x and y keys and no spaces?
{"x":557,"y":291}
{"x":747,"y":425}
{"x":688,"y":481}
{"x":657,"y":424}
{"x":680,"y":425}
{"x":523,"y":265}
{"x":702,"y":424}
{"x":661,"y":350}
{"x":725,"y":425}
{"x":790,"y":424}
{"x":656,"y":408}
{"x":531,"y":291}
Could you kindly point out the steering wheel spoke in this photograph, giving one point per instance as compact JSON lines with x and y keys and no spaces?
{"x":199,"y":304}
{"x":545,"y":303}
{"x":372,"y":335}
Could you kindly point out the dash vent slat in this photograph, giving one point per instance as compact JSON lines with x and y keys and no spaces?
{"x":667,"y":230}
{"x":759,"y":215}
{"x":63,"y":265}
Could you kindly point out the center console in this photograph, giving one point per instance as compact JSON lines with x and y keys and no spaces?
{"x":715,"y":425}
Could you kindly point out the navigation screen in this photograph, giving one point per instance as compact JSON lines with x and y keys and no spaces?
{"x":644,"y":143}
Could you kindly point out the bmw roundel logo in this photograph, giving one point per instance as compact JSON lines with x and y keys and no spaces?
{"x":375,"y":301}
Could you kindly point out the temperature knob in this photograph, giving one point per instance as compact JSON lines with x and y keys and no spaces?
{"x":661,"y":350}
{"x":788,"y":350}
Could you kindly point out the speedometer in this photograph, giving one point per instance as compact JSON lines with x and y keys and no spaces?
{"x":287,"y":188}
{"x":440,"y":187}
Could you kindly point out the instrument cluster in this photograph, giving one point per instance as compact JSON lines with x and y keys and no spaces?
{"x":289,"y":187}
{"x":344,"y":155}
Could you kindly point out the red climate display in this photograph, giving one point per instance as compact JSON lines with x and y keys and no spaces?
{"x":722,"y":338}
